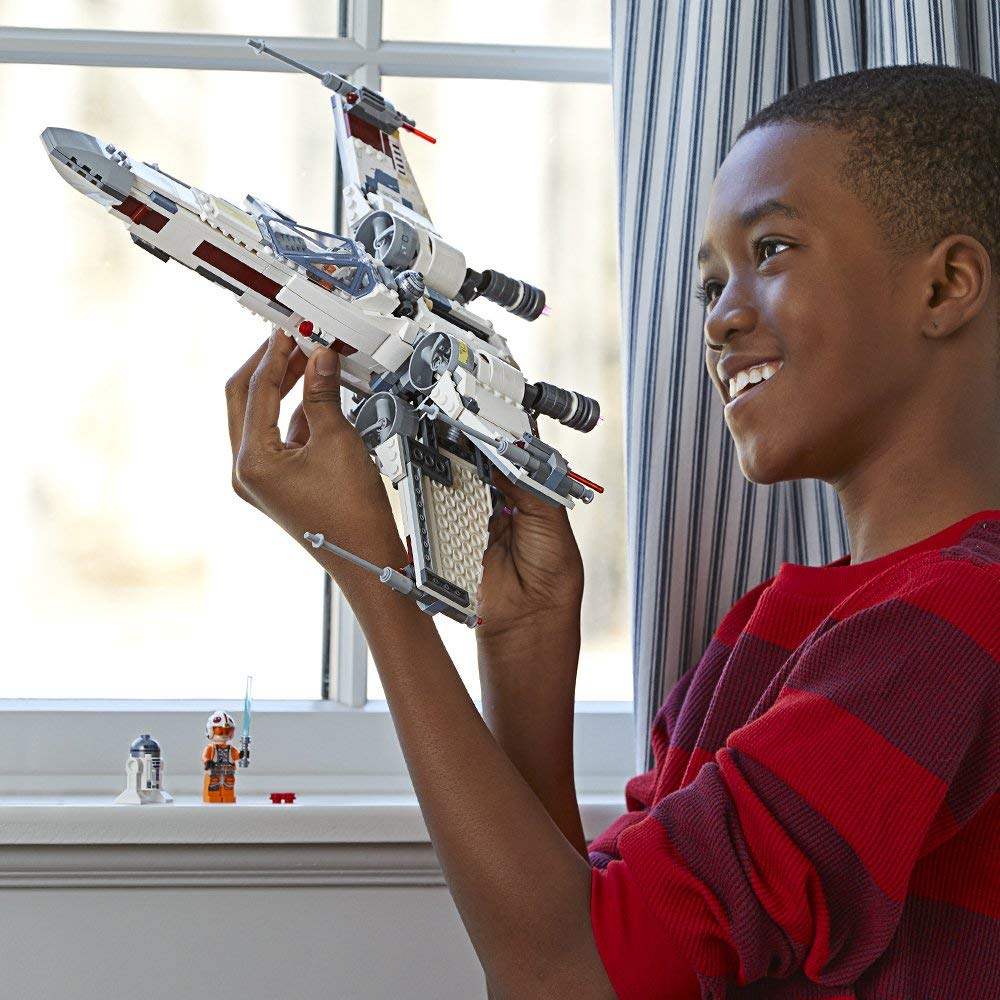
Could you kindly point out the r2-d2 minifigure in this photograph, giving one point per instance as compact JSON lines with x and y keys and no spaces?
{"x":144,"y":774}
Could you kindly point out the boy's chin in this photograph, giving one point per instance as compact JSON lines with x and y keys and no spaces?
{"x":767,"y":468}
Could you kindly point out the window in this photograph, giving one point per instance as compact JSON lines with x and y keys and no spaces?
{"x":290,"y":17}
{"x":515,"y":22}
{"x":131,"y":570}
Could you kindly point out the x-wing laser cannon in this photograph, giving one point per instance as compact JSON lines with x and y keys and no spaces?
{"x":438,"y":398}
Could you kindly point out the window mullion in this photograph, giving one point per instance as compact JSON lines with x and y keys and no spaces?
{"x":348,"y":651}
{"x":363,"y":48}
{"x":365,"y":28}
{"x":349,"y":671}
{"x":345,"y":670}
{"x":169,"y":50}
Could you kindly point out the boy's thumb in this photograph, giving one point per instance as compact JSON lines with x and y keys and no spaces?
{"x":321,"y":390}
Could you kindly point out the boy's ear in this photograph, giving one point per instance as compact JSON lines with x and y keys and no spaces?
{"x":961,"y":280}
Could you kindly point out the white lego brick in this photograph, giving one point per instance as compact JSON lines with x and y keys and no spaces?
{"x":355,"y":205}
{"x":390,"y":458}
{"x":493,"y":406}
{"x":256,"y":303}
{"x":411,"y":332}
{"x":153,"y":180}
{"x":180,"y":237}
{"x":381,"y":300}
{"x":227,"y":218}
{"x":445,"y":395}
{"x":393,"y":352}
{"x":334,"y":316}
{"x":499,"y":376}
{"x":271,"y":267}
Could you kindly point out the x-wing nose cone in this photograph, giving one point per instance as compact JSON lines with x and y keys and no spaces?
{"x":85,"y":164}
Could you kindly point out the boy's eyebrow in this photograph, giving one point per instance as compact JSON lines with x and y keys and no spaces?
{"x":760,"y":210}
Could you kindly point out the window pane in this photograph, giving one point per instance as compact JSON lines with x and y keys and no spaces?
{"x":515,"y":22}
{"x":291,"y":17}
{"x":130,"y":568}
{"x":536,"y":201}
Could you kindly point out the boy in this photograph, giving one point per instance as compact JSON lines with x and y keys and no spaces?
{"x":822,"y":819}
{"x":884,"y":325}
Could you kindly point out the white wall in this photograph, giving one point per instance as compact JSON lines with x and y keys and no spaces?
{"x":256,"y":942}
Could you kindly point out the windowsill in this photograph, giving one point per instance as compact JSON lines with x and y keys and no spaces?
{"x":75,"y":820}
{"x":346,"y":761}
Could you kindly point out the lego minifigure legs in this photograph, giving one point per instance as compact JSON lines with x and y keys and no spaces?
{"x":219,"y":789}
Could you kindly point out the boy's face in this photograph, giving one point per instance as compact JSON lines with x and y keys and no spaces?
{"x":820,"y":299}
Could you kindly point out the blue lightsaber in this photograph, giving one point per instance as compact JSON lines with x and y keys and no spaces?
{"x":245,"y":742}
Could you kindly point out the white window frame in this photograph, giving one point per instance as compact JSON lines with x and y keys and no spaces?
{"x":354,"y":735}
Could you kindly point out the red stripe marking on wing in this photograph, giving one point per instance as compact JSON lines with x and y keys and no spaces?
{"x":141,"y":214}
{"x":243,"y":273}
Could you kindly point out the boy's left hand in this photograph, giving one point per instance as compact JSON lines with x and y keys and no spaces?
{"x":322,"y":478}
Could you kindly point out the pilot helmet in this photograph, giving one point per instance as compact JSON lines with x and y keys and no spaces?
{"x":220,"y":724}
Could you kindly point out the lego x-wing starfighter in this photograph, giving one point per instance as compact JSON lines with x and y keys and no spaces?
{"x":439,"y":399}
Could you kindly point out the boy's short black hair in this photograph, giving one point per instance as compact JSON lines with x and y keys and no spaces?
{"x":922,"y":152}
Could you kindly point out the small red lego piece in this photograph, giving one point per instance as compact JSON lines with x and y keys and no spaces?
{"x":279,"y":797}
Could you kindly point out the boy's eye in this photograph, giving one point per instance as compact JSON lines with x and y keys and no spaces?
{"x":704,"y":294}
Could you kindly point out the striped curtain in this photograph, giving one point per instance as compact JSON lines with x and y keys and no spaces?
{"x":687,"y":74}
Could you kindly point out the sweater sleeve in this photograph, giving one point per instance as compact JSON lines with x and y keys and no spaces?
{"x":791,"y":850}
{"x":640,"y":790}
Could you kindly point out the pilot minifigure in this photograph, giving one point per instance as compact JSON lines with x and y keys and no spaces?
{"x":220,"y":759}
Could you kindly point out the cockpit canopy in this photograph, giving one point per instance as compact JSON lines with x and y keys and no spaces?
{"x":333,"y":261}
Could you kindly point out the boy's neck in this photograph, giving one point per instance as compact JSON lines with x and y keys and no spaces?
{"x":874,"y":534}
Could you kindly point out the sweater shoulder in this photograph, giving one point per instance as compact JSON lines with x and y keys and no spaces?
{"x":735,"y":619}
{"x":980,"y":546}
{"x":952,"y":582}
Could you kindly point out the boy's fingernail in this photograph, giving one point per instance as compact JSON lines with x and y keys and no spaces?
{"x":325,"y":361}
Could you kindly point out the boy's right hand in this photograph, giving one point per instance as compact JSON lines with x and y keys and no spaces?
{"x":532,"y":568}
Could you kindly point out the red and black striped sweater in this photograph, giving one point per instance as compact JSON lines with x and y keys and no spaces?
{"x":823,"y":820}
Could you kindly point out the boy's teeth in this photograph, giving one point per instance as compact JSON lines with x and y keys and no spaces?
{"x":758,"y":373}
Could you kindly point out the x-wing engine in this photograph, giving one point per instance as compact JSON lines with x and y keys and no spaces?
{"x":438,"y":398}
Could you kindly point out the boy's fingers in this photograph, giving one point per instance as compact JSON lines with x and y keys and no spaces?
{"x":518,"y":497}
{"x":499,"y":527}
{"x":296,"y":366}
{"x":260,"y":425}
{"x":298,"y":429}
{"x":236,"y":395}
{"x":238,"y":386}
{"x":510,"y":495}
